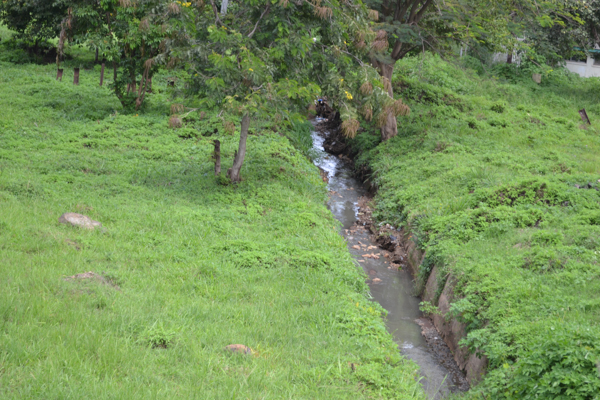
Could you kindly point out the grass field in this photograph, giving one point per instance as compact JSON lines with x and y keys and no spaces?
{"x":189,"y":263}
{"x":497,"y":178}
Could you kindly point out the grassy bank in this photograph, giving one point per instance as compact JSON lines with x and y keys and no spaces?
{"x":498,"y":181}
{"x":189,"y":263}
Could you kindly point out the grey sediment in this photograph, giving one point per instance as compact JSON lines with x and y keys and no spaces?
{"x":389,"y":271}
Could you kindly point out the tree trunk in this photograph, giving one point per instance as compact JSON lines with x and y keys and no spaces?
{"x":217,"y":157}
{"x":76,"y":76}
{"x":96,"y":59}
{"x":509,"y":57}
{"x":102,"y":74}
{"x":224,"y":5}
{"x":59,"y":74}
{"x":390,"y":128}
{"x":114,"y":71}
{"x":234,"y":171}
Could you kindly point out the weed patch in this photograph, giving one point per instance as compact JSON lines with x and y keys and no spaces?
{"x":510,"y":209}
{"x":199,"y":264}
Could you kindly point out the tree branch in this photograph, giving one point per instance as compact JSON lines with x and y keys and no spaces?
{"x":216,"y":11}
{"x":259,"y":19}
{"x":422,"y":11}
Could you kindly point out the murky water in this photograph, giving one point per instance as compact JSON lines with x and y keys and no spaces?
{"x":390,"y":287}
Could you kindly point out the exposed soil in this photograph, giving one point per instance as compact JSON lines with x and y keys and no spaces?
{"x":392,"y":241}
{"x":91,"y":276}
{"x":383,"y":255}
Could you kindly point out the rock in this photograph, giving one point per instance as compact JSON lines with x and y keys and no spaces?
{"x":376,"y":280}
{"x":385,"y":242}
{"x":239,"y":348}
{"x":91,"y":276}
{"x":78,"y":220}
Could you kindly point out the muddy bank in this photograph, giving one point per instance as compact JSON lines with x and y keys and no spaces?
{"x":404,"y":252}
{"x":389,"y":277}
{"x":450,"y":330}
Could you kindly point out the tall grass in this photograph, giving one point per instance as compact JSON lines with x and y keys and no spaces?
{"x":499,"y":179}
{"x":189,"y":265}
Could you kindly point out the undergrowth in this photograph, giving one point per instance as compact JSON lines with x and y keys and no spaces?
{"x":498,"y":180}
{"x":189,"y":264}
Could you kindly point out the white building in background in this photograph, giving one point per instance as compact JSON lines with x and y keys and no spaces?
{"x":586,"y":69}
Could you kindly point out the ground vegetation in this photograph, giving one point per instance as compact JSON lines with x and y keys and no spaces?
{"x":496,"y":179}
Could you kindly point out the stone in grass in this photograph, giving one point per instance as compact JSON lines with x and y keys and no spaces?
{"x":92,"y":276}
{"x":239,"y":348}
{"x":81,"y":220}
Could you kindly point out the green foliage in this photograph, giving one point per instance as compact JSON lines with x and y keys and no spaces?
{"x":33,"y":20}
{"x":561,"y":363}
{"x":198,"y":265}
{"x":507,"y":204}
{"x":157,"y":336}
{"x":299,"y":135}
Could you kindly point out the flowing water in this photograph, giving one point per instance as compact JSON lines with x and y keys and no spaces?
{"x":392,"y":288}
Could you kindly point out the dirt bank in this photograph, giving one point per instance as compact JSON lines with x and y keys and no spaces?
{"x":441,"y":331}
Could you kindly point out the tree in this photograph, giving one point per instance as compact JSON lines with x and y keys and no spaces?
{"x":399,"y":22}
{"x":270,"y":58}
{"x":404,"y":26}
{"x":131,"y":38}
{"x":34,"y":20}
{"x":127,"y":33}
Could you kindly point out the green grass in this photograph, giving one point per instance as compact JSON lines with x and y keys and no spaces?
{"x":198,"y":265}
{"x":484,"y":173}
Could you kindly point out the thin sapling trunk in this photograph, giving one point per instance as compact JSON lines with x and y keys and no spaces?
{"x":390,"y":128}
{"x":102,"y":74}
{"x":234,"y":171}
{"x":217,"y":157}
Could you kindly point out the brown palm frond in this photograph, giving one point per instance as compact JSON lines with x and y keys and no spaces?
{"x":125,"y":3}
{"x":366,"y":88}
{"x":380,"y":45}
{"x":174,"y":8}
{"x":284,"y":3}
{"x":229,"y":127}
{"x":400,"y":108}
{"x":316,"y":2}
{"x":144,"y":25}
{"x":177,"y":108}
{"x":175,"y":122}
{"x":381,"y":35}
{"x":350,"y":128}
{"x":387,"y":85}
{"x":367,"y":112}
{"x":323,"y":12}
{"x":374,"y":15}
{"x":149,"y":63}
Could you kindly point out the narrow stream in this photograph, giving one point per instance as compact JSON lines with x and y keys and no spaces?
{"x":391,"y":288}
